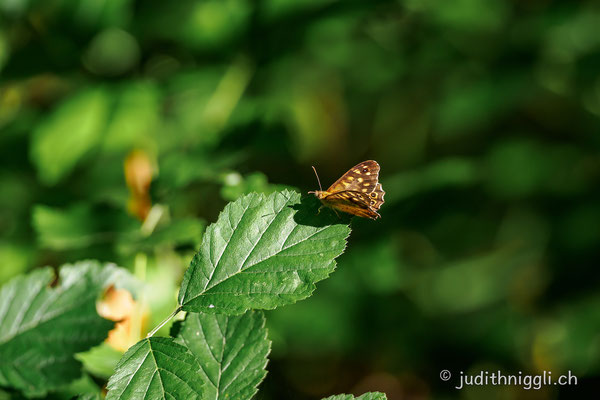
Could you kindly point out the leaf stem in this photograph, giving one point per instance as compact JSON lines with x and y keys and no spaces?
{"x":153,"y":331}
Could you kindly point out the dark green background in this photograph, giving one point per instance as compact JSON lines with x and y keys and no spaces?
{"x":484,"y":117}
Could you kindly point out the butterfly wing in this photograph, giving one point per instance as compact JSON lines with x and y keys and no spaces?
{"x":362,"y":178}
{"x":376,"y":197}
{"x":351,"y":202}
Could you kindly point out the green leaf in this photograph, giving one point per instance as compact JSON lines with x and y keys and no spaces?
{"x":156,"y":368}
{"x":184,"y":231}
{"x":42,"y":327}
{"x":80,"y":387}
{"x":366,"y":396}
{"x":90,"y":396}
{"x":136,"y":116}
{"x":81,"y":226}
{"x":101,"y":360}
{"x":236,"y":185}
{"x":66,"y":229}
{"x":231,"y":350}
{"x":263,"y":252}
{"x":61,"y":140}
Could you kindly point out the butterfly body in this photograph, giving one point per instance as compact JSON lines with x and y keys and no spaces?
{"x":357,"y":192}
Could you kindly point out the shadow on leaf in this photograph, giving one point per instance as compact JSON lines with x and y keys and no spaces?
{"x":307,"y":213}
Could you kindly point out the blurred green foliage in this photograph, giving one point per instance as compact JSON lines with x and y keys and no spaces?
{"x":484,"y":115}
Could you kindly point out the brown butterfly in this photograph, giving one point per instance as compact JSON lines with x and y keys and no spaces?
{"x":357,"y":192}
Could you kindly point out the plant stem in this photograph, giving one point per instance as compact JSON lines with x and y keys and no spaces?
{"x":174,"y":313}
{"x":140,"y":263}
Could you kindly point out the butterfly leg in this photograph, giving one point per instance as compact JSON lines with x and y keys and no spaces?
{"x":335,"y":211}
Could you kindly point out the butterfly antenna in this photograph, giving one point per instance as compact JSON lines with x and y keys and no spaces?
{"x":317,"y":175}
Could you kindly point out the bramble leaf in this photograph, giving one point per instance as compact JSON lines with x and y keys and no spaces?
{"x":42,"y":327}
{"x":231,"y":350}
{"x":366,"y":396}
{"x":263,"y":252}
{"x":156,"y":368}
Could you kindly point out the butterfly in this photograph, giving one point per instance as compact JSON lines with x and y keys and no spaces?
{"x":357,"y":192}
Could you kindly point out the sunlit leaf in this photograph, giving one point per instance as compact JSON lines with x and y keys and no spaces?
{"x":156,"y":368}
{"x":79,"y":226}
{"x":231,"y":350}
{"x":264,"y":251}
{"x":135,"y":118}
{"x":100,"y":360}
{"x":236,"y":185}
{"x":63,"y":229}
{"x":62,"y":139}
